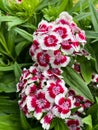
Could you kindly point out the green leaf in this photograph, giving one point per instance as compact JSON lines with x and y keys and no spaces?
{"x":4,"y":45}
{"x":24,"y":122}
{"x":10,"y":122}
{"x":96,"y":127}
{"x":58,"y":124}
{"x":93,"y":111}
{"x":12,"y":21}
{"x":6,"y":68}
{"x":91,"y":34}
{"x":8,"y":106}
{"x":96,"y":100}
{"x":37,"y":128}
{"x":12,"y":67}
{"x":11,"y":41}
{"x":86,"y":69}
{"x":94,"y":47}
{"x":81,"y":5}
{"x":82,"y":16}
{"x":1,"y":5}
{"x":88,"y":121}
{"x":20,"y":46}
{"x":3,"y":42}
{"x":75,"y":81}
{"x":7,"y":83}
{"x":17,"y":71}
{"x":52,"y":12}
{"x":24,"y":34}
{"x":8,"y":87}
{"x":94,"y":16}
{"x":45,"y":3}
{"x":28,"y":25}
{"x":7,"y":18}
{"x":69,"y":5}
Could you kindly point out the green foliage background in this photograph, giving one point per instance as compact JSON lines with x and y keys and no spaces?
{"x":17,"y":24}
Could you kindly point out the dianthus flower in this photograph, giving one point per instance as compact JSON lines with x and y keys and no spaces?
{"x":54,"y":42}
{"x":74,"y":123}
{"x":42,"y":90}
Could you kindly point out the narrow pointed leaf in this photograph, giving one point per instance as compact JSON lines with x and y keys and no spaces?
{"x":58,"y":124}
{"x":82,"y":16}
{"x":75,"y":81}
{"x":6,"y":68}
{"x":24,"y":34}
{"x":92,"y":34}
{"x":86,"y":69}
{"x":20,"y":46}
{"x":17,"y":71}
{"x":24,"y":122}
{"x":94,"y":16}
{"x":86,"y":72}
{"x":10,"y":122}
{"x":88,"y":120}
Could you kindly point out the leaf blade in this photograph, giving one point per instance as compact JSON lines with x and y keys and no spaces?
{"x":76,"y":82}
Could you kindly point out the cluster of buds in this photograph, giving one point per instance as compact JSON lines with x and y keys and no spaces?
{"x":42,"y":90}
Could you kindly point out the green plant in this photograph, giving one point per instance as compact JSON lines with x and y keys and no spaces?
{"x":17,"y":24}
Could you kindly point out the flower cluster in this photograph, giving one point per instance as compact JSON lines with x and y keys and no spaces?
{"x":44,"y":95}
{"x":54,"y":42}
{"x":42,"y":90}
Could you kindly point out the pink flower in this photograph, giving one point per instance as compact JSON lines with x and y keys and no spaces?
{"x":36,"y":77}
{"x":63,"y":31}
{"x":22,"y":102}
{"x":73,"y":124}
{"x":21,"y":85}
{"x":60,"y":60}
{"x":44,"y":27}
{"x":78,"y":101}
{"x":25,"y":110}
{"x":95,"y":78}
{"x":76,"y":46}
{"x":67,"y":48}
{"x":46,"y":121}
{"x":76,"y":67}
{"x":43,"y":58}
{"x":38,"y":103}
{"x":74,"y":28}
{"x":42,"y":91}
{"x":50,"y":41}
{"x":71,"y":93}
{"x":23,"y":80}
{"x":53,"y":88}
{"x":19,"y":1}
{"x":84,"y":53}
{"x":53,"y":71}
{"x":64,"y":105}
{"x":81,"y":37}
{"x":33,"y":48}
{"x":86,"y":104}
{"x":25,"y":74}
{"x":64,"y":18}
{"x":30,"y":89}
